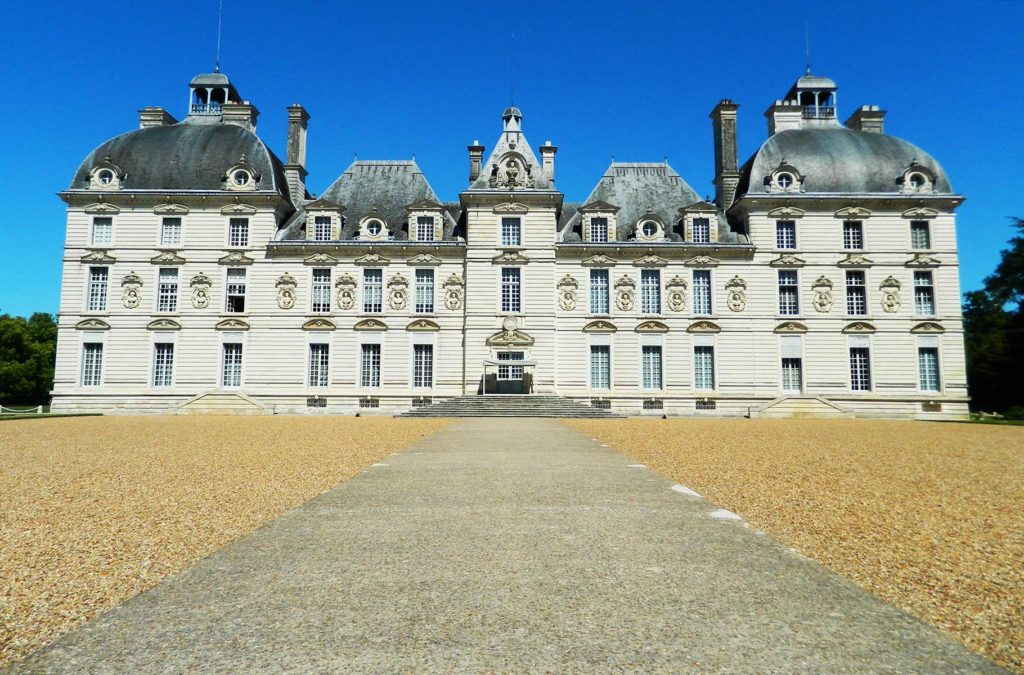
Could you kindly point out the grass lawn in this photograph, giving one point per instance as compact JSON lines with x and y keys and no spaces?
{"x":94,"y":510}
{"x":927,"y":515}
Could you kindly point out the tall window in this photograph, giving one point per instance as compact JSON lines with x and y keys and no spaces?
{"x":231,"y":364}
{"x":234,"y":298}
{"x":424,"y":291}
{"x":789,"y":293}
{"x":856,"y":293}
{"x":650,"y":291}
{"x":785,"y":234}
{"x":322,"y":228}
{"x":163,"y":364}
{"x":510,"y":291}
{"x":920,"y":235}
{"x":238,"y":232}
{"x":853,"y":234}
{"x":701,"y":231}
{"x":928,"y":368}
{"x":510,"y":232}
{"x":860,"y":369}
{"x":510,"y":372}
{"x":369,"y":366}
{"x":170,"y":232}
{"x":599,"y":230}
{"x":92,"y":364}
{"x":600,"y":367}
{"x":319,"y":364}
{"x":924,"y":294}
{"x":702,"y":291}
{"x":373,"y":290}
{"x":102,"y":230}
{"x":321,"y":290}
{"x":97,"y":297}
{"x":650,"y":357}
{"x":792,"y":378}
{"x":425,"y":228}
{"x":167,"y":290}
{"x":704,"y":367}
{"x":599,"y":302}
{"x":423,"y":365}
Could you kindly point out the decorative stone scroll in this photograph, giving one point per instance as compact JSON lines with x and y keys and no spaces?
{"x":398,"y":292}
{"x":131,"y":285}
{"x":567,"y":290}
{"x":736,"y":294}
{"x":92,"y":324}
{"x":346,"y":285}
{"x":625,"y":293}
{"x":822,"y":301}
{"x":98,"y":256}
{"x":319,"y":324}
{"x":286,"y":291}
{"x":163,"y":324}
{"x":167,"y":258}
{"x":890,"y":295}
{"x":675,"y":291}
{"x":453,"y":288}
{"x":200,"y":285}
{"x":235,"y":258}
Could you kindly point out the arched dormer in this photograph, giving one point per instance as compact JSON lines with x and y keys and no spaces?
{"x":916,"y":179}
{"x":106,"y":175}
{"x":511,"y":171}
{"x":786,"y":178}
{"x":373,"y":227}
{"x":241,"y":176}
{"x":650,"y":227}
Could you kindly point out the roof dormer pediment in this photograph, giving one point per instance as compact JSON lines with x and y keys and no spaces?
{"x":598,"y":205}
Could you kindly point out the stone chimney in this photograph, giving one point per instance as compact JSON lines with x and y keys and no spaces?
{"x":727,"y":175}
{"x":784,"y":115}
{"x":295,"y":159}
{"x":867,"y":118}
{"x":155,"y":116}
{"x":547,"y":154}
{"x":242,"y":114}
{"x":476,"y":158}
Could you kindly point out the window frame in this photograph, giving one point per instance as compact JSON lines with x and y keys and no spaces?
{"x":924,"y":289}
{"x":368,"y":305}
{"x":867,"y":374}
{"x":423,"y":368}
{"x":853,"y":226}
{"x":427,"y":221}
{"x":319,"y":291}
{"x":650,"y":294}
{"x":705,"y":238}
{"x":646,"y":383}
{"x":110,"y":231}
{"x":921,"y":349}
{"x":164,"y":222}
{"x":599,"y":280}
{"x":318,"y":365}
{"x":162,"y":374}
{"x":781,"y":226}
{"x":227,"y":290}
{"x":225,"y":347}
{"x":103,"y":298}
{"x":244,"y":234}
{"x":318,"y":223}
{"x":370,"y":374}
{"x":849,"y":292}
{"x":84,"y":378}
{"x":506,"y":241}
{"x":606,"y":382}
{"x":923,"y":226}
{"x":710,"y":292}
{"x":784,"y":289}
{"x":515,"y":290}
{"x":167,"y":302}
{"x":599,"y":225}
{"x":799,"y":371}
{"x":423,"y":289}
{"x":698,"y":379}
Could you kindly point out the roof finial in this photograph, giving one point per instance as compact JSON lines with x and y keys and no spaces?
{"x":807,"y":46}
{"x":512,"y":72}
{"x":220,"y":21}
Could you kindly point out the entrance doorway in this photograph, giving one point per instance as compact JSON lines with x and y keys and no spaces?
{"x":510,"y":373}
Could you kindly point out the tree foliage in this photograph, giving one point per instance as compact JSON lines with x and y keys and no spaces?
{"x":28,"y":348}
{"x":994,"y":332}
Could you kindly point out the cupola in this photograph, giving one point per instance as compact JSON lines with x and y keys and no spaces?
{"x":209,"y":92}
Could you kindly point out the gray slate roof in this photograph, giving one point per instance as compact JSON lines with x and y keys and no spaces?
{"x":838,"y":160}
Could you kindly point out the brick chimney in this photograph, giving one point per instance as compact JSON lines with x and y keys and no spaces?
{"x":867,"y":118}
{"x":547,"y":154}
{"x":727,"y":175}
{"x":155,"y":116}
{"x":242,"y":114}
{"x":295,"y":160}
{"x":476,"y":158}
{"x":783,"y":116}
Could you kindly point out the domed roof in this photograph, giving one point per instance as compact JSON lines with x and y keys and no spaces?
{"x":184,"y":156}
{"x":839,"y":160}
{"x":215,"y":79}
{"x":512,"y":112}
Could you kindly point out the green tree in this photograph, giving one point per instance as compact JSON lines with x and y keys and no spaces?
{"x":994,"y":332}
{"x":28,"y":348}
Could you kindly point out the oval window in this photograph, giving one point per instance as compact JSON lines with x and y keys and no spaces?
{"x":784,"y":180}
{"x":649,"y":228}
{"x":105,"y":177}
{"x":917,"y":181}
{"x":241,"y":178}
{"x":374,"y":226}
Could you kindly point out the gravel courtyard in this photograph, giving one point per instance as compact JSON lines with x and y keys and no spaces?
{"x":927,"y":515}
{"x":94,"y":510}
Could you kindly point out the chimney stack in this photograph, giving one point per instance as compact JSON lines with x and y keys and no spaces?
{"x":155,"y":116}
{"x":547,"y":154}
{"x":783,"y":116}
{"x":867,"y":118}
{"x":295,"y":159}
{"x":727,"y":175}
{"x":476,"y":158}
{"x":242,"y":114}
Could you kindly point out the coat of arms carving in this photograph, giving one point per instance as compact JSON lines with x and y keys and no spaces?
{"x":890,"y":295}
{"x":286,"y":291}
{"x":453,"y":292}
{"x":131,"y":286}
{"x":822,"y":289}
{"x":625,"y":293}
{"x":675,"y":290}
{"x":200,"y":285}
{"x":398,"y":292}
{"x":567,"y":289}
{"x":736,"y":290}
{"x":346,"y":285}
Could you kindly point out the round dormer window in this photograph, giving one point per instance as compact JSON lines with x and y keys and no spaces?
{"x":917,"y":181}
{"x":785,"y":180}
{"x":649,"y":228}
{"x":241,"y":178}
{"x":374,"y":227}
{"x":105,"y":177}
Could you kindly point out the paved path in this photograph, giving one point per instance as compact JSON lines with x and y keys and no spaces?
{"x":506,"y":545}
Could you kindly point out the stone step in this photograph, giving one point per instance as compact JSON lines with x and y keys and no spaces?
{"x":508,"y":406}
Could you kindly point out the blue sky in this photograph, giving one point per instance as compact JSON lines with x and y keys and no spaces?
{"x":386,"y":80}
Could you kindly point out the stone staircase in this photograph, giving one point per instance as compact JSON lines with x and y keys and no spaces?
{"x":499,"y":405}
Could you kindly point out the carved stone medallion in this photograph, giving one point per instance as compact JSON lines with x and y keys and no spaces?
{"x":346,"y":285}
{"x":398,"y":292}
{"x":822,"y":289}
{"x":200,"y":285}
{"x":736,"y":289}
{"x":625,"y":293}
{"x":453,"y":292}
{"x":286,"y":291}
{"x":890,"y":295}
{"x":676,"y":291}
{"x":131,"y":296}
{"x":567,"y":289}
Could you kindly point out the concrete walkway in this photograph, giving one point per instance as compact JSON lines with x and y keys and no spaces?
{"x":506,"y":545}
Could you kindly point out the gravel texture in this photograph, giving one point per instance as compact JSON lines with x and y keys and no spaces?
{"x":927,"y":515}
{"x":95,"y":510}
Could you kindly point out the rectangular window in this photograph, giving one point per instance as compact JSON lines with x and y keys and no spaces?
{"x":792,"y":376}
{"x":853,"y":234}
{"x":928,"y":368}
{"x":701,"y":231}
{"x":319,"y":364}
{"x":789,"y":293}
{"x":510,"y":232}
{"x":785,"y":234}
{"x":510,"y":372}
{"x":924,"y":294}
{"x":424,"y":291}
{"x":650,"y":291}
{"x":599,"y":300}
{"x":92,"y":364}
{"x":860,"y":369}
{"x":102,"y":230}
{"x":856,"y":293}
{"x":234,"y":298}
{"x":231,"y":364}
{"x":167,"y":290}
{"x":369,"y":366}
{"x":425,"y":228}
{"x":600,"y":367}
{"x":170,"y":232}
{"x":238,"y":232}
{"x":321,"y":291}
{"x":97,"y":297}
{"x":599,"y":230}
{"x":510,"y":291}
{"x":703,"y":367}
{"x":373,"y":291}
{"x":650,"y":356}
{"x":423,"y":365}
{"x":920,"y":235}
{"x":702,"y":291}
{"x":163,"y":364}
{"x":322,"y":228}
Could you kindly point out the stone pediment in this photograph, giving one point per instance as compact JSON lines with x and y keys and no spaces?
{"x":855,"y":260}
{"x":170,"y":210}
{"x":928,"y":327}
{"x":920,"y":213}
{"x":238,"y":210}
{"x":322,"y":204}
{"x":424,"y":259}
{"x":600,"y":326}
{"x":704,"y":326}
{"x":853,"y":213}
{"x":232,"y":324}
{"x":92,"y":324}
{"x":373,"y":259}
{"x":422,"y":326}
{"x":859,"y":327}
{"x":424,"y":205}
{"x":101,"y":208}
{"x":163,"y":324}
{"x":319,"y":324}
{"x":787,"y":212}
{"x":510,"y":338}
{"x":923,"y":260}
{"x":650,"y":260}
{"x":788,"y":260}
{"x":699,"y":207}
{"x":511,"y":207}
{"x":701,"y":261}
{"x":790,"y":327}
{"x":510,"y":257}
{"x":370,"y":325}
{"x":651,"y":326}
{"x":167,"y":258}
{"x":235,"y":258}
{"x":598,"y":206}
{"x":321,"y":259}
{"x":598,"y":260}
{"x":98,"y":256}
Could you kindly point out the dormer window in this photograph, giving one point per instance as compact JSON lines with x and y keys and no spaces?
{"x":916,"y":178}
{"x":106,"y":175}
{"x":650,"y":229}
{"x":701,"y":231}
{"x":599,"y":230}
{"x":784,"y":180}
{"x":322,"y":228}
{"x":374,"y":228}
{"x":425,"y":228}
{"x":598,"y":222}
{"x":241,"y":178}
